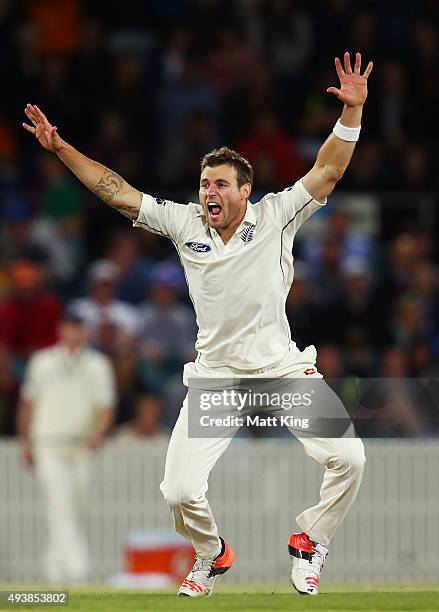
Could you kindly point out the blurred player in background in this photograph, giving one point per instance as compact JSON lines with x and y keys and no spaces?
{"x":66,"y":409}
{"x":228,"y":247}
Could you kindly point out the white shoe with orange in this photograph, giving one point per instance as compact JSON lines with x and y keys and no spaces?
{"x":201,"y":579}
{"x":307,"y":562}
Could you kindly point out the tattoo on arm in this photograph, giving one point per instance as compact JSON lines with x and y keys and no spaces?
{"x":109,"y":186}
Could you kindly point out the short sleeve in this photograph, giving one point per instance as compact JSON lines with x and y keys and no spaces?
{"x":162,"y":217}
{"x":293,"y":205}
{"x":104,"y":384}
{"x":29,"y":388}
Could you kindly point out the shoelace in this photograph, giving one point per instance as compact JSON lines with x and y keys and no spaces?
{"x":317,"y":560}
{"x":203,"y":566}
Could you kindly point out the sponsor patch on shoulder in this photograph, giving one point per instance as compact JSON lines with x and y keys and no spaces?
{"x":198,"y":247}
{"x":160,"y":201}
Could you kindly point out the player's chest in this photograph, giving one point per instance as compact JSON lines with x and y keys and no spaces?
{"x":206,"y":247}
{"x":251,"y":256}
{"x":61,"y":375}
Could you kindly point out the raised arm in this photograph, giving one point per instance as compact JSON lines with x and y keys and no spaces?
{"x":106,"y":184}
{"x":336,"y":152}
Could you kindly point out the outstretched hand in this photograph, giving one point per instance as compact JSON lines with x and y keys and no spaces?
{"x":353,"y":85}
{"x":46,"y":134}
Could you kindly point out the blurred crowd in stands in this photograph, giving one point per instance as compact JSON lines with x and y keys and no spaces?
{"x":147,"y":88}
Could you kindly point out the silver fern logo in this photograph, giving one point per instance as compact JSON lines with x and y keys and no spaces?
{"x":247,"y":234}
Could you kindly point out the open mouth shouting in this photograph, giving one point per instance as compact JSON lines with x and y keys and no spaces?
{"x":214,"y":209}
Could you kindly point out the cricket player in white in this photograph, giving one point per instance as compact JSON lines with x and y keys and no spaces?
{"x":66,"y":408}
{"x":239,"y":268}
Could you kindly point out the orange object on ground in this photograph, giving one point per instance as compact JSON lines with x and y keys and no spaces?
{"x":160,"y":554}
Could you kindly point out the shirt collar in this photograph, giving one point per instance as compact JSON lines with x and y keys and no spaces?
{"x":249,"y":216}
{"x":68,"y":357}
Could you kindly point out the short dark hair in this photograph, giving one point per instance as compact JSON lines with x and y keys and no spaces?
{"x":224,"y":155}
{"x":73,"y":318}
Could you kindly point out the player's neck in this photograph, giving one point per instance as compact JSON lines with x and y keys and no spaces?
{"x":227,"y":232}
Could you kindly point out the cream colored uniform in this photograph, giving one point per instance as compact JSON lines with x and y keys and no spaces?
{"x":65,"y":392}
{"x":239,"y":292}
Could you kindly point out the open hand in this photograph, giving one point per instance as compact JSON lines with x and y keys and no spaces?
{"x":43,"y":130}
{"x":353,"y":85}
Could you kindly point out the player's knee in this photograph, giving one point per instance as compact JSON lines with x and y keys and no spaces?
{"x":171,"y":494}
{"x":351,"y":460}
{"x":357,"y":462}
{"x":176,"y":496}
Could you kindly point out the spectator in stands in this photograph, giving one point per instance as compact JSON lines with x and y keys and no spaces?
{"x":16,"y":232}
{"x":330,"y":362}
{"x":282,"y":31}
{"x":403,"y":254}
{"x":114,"y":144}
{"x":167,"y":337}
{"x":180,"y":99}
{"x":146,"y":425}
{"x":338,"y":229}
{"x":101,"y":310}
{"x":167,"y":326}
{"x":57,"y":25}
{"x":422,"y":361}
{"x":271,"y":152}
{"x":29,"y":316}
{"x":408,"y":321}
{"x":424,"y":284}
{"x":134,"y":268}
{"x":58,"y":227}
{"x":358,"y":312}
{"x":181,"y":160}
{"x":398,"y":409}
{"x":326,"y":274}
{"x":230,"y":63}
{"x":366,"y":167}
{"x":198,"y":71}
{"x":302,"y":309}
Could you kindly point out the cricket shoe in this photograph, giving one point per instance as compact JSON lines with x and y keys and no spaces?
{"x":201,"y":579}
{"x":307,"y":561}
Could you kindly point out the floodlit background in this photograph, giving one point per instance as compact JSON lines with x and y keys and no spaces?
{"x":147,"y":88}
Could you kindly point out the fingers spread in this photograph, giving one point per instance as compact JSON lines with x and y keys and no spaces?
{"x":31,"y":109}
{"x":339,"y":68}
{"x":368,"y":69}
{"x":30,"y":116}
{"x":41,"y":116}
{"x":29,"y":128}
{"x":336,"y":92}
{"x":347,"y":63}
{"x":357,"y":66}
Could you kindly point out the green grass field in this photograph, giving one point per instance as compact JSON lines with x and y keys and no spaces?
{"x":233,"y":599}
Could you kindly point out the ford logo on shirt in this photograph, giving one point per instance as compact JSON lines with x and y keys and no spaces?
{"x":198,"y":247}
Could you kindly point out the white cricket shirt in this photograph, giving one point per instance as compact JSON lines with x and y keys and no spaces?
{"x":238,"y":289}
{"x":65,"y":393}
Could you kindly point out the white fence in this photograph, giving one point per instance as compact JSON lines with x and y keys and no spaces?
{"x":256,"y":490}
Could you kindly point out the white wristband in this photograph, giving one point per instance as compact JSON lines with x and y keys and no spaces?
{"x":346,"y":133}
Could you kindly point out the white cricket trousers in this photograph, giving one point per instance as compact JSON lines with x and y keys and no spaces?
{"x":190,"y":460}
{"x":64,"y":477}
